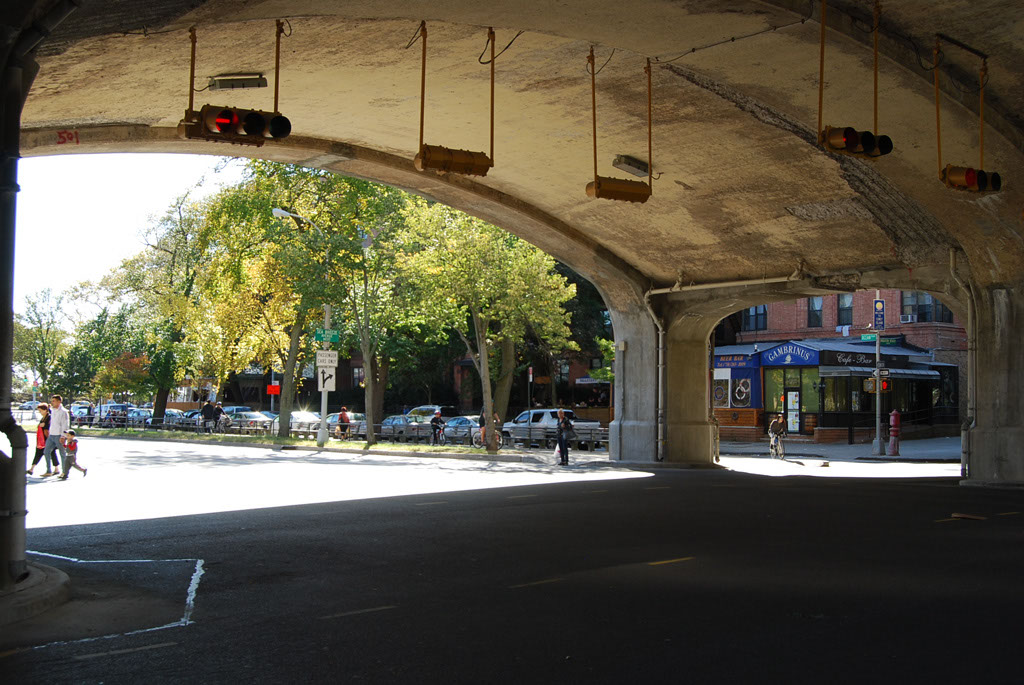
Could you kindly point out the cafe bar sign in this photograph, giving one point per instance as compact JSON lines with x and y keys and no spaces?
{"x":790,"y":354}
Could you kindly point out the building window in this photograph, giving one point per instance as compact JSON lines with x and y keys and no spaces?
{"x":755,"y":318}
{"x":357,"y":376}
{"x":563,"y":372}
{"x":925,"y":307}
{"x":814,"y":312}
{"x":845,"y":310}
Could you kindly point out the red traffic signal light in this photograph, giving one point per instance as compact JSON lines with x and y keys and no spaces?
{"x":232,"y":125}
{"x":968,"y":178}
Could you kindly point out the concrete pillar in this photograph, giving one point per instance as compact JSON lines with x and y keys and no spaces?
{"x":995,"y":441}
{"x":690,"y":434}
{"x":632,"y":435}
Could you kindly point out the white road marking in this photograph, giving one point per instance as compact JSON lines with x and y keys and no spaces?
{"x":114,"y":652}
{"x":359,"y":611}
{"x":538,"y":582}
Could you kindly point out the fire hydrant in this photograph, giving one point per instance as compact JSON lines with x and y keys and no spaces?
{"x":894,"y":434}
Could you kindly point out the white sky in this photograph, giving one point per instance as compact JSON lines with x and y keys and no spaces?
{"x":80,"y":215}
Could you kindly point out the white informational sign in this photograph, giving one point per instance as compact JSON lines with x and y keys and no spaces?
{"x":793,"y":412}
{"x":328,"y":358}
{"x":325,"y":379}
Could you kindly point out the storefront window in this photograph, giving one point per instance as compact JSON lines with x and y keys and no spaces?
{"x":741,"y":392}
{"x":809,"y":391}
{"x":774,"y":391}
{"x":793,"y":378}
{"x":836,"y":394}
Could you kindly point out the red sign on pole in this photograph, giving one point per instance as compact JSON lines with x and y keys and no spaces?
{"x":274,"y":389}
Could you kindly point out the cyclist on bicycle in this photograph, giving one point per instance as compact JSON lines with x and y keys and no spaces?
{"x":437,"y":429}
{"x":776,"y":430}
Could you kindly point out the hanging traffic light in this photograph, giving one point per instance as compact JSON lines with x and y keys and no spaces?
{"x":846,"y":139}
{"x":230,"y":124}
{"x":968,"y":178}
{"x":443,"y":159}
{"x":849,"y":140}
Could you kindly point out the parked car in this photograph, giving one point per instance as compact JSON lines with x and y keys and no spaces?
{"x":171,"y":418}
{"x":538,"y":426}
{"x":461,"y":429}
{"x":406,"y":428}
{"x":139,"y":416}
{"x":250,"y":422}
{"x":236,"y":408}
{"x":271,"y":414}
{"x":190,"y":419}
{"x":28,"y":406}
{"x":301,"y":422}
{"x":114,"y":414}
{"x":428,"y":410}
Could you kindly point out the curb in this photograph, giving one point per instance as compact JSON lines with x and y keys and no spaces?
{"x":45,"y":588}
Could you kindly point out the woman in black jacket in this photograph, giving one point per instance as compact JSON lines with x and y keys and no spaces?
{"x":565,"y":433}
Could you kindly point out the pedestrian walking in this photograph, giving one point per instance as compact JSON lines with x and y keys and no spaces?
{"x":71,"y":446}
{"x":207,"y":413}
{"x":343,"y":423}
{"x":565,"y":433}
{"x":42,"y":433}
{"x":60,"y":423}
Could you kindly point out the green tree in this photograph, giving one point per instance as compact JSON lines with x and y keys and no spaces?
{"x":39,"y":340}
{"x":162,"y":283}
{"x":492,"y":287}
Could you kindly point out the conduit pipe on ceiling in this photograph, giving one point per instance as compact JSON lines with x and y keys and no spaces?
{"x":971,"y":421}
{"x":660,"y":380}
{"x":680,"y":288}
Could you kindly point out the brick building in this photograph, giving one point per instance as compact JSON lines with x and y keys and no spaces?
{"x":817,"y":382}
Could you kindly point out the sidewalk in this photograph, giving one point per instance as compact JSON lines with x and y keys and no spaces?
{"x":928,"y":450}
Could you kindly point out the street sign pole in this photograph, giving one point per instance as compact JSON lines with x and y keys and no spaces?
{"x":879,"y":326}
{"x":321,"y":435}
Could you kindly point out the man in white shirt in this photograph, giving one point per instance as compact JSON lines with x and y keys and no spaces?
{"x":60,"y":422}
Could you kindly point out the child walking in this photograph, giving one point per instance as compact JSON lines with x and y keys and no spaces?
{"x":71,"y":449}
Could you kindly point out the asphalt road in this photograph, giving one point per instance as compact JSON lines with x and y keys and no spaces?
{"x":526,"y":574}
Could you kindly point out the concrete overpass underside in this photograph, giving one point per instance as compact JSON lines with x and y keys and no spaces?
{"x":743,"y":194}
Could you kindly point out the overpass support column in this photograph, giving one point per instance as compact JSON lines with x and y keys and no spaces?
{"x":690,"y":434}
{"x":995,"y":440}
{"x":632,"y":435}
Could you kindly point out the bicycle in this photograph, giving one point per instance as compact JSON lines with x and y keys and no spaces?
{"x":439,"y":438}
{"x":776,"y":447}
{"x":478,"y":440}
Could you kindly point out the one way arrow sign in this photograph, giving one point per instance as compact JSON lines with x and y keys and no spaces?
{"x":325,"y":380}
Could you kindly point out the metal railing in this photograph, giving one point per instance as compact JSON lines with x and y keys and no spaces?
{"x":521,"y":437}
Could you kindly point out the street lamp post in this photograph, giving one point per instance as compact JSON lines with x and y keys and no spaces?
{"x":321,"y":434}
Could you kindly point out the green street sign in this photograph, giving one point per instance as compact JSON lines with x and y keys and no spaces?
{"x":326,"y":335}
{"x":870,"y":337}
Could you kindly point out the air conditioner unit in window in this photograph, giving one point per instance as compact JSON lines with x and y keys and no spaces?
{"x":908,"y":318}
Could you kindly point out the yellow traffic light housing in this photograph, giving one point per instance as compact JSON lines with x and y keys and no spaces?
{"x":447,"y":160}
{"x":962,"y":177}
{"x":607,"y":188}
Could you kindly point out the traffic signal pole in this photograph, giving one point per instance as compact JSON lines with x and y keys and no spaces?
{"x":321,"y":434}
{"x":879,"y":448}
